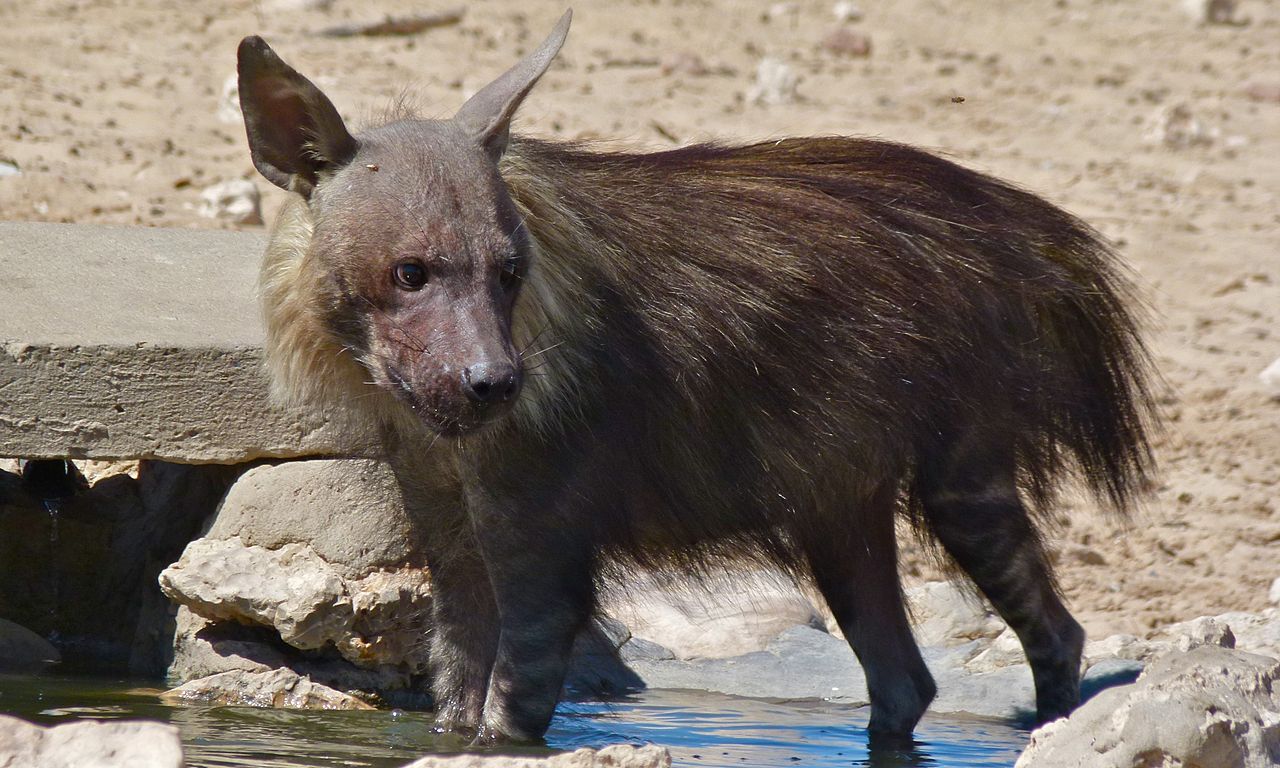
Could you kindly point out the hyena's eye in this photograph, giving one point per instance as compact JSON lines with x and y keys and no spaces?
{"x":409,"y":275}
{"x":510,"y":272}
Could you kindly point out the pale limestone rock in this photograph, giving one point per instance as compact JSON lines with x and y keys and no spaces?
{"x":89,"y":744}
{"x":944,"y":614}
{"x":1210,"y":706}
{"x":1004,"y":651}
{"x":236,"y":201}
{"x":229,"y":102}
{"x":280,"y":688}
{"x":776,"y":83}
{"x":617,"y":756}
{"x":730,"y":614}
{"x":1270,"y":378}
{"x":379,"y":619}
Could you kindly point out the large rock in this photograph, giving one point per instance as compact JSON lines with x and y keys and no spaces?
{"x":617,"y":756}
{"x":22,"y":650}
{"x":1209,"y":706}
{"x":89,"y":744}
{"x":166,"y":366}
{"x":725,"y":615}
{"x":280,"y":688}
{"x":379,"y":619}
{"x":310,"y":566}
{"x":349,"y":512}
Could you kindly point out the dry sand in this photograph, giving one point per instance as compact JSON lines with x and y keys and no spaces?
{"x":108,"y":108}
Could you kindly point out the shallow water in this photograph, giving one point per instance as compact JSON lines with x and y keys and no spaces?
{"x":700,"y":729}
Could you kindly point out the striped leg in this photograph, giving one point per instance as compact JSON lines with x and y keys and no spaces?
{"x":857,"y":573}
{"x":971,"y":504}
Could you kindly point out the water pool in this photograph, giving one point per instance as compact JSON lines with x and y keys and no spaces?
{"x":700,"y":729}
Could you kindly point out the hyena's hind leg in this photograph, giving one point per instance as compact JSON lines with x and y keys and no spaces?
{"x":971,"y":503}
{"x":854,"y":561}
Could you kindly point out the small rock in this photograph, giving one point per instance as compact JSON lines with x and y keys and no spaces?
{"x":236,"y":200}
{"x":1214,"y":11}
{"x":22,"y":650}
{"x":780,"y":11}
{"x":946,"y":615}
{"x":299,"y":5}
{"x":229,"y":101}
{"x":776,"y":83}
{"x":279,"y":688}
{"x":90,"y":743}
{"x":9,"y":168}
{"x":1270,"y":378}
{"x":1204,"y":631}
{"x":1085,"y":555}
{"x":684,"y":63}
{"x":1273,"y":594}
{"x":1267,"y":92}
{"x":845,"y":11}
{"x":721,"y":617}
{"x":616,"y":756}
{"x":846,"y":42}
{"x":1209,"y":707}
{"x":1177,"y":126}
{"x":1004,"y":651}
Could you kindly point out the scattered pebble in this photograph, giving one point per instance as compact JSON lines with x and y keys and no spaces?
{"x":299,"y":5}
{"x":229,"y":101}
{"x":776,"y":83}
{"x":236,"y":200}
{"x":9,"y":168}
{"x":846,"y":11}
{"x":1270,"y":377}
{"x":782,"y":11}
{"x":397,"y":26}
{"x":1178,"y":127}
{"x":684,"y":63}
{"x":1214,"y":12}
{"x":1274,"y":593}
{"x":1268,"y":92}
{"x":846,"y":42}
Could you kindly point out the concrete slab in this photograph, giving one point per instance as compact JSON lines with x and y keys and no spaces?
{"x":121,"y":343}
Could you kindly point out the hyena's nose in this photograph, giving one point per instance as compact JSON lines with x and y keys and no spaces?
{"x":488,"y":383}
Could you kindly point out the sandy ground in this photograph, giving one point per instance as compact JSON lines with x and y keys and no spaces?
{"x":108,"y":108}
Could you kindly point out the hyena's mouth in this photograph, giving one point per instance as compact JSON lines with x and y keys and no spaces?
{"x":439,"y":420}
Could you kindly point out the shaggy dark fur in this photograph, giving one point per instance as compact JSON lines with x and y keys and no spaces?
{"x":582,"y":361}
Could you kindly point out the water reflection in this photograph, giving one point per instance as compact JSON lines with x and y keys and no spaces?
{"x":700,"y":729}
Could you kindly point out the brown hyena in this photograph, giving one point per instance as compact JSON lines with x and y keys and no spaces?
{"x":578,"y":358}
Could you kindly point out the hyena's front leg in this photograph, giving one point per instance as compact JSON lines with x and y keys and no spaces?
{"x":464,"y":637}
{"x":542,"y":579}
{"x":464,"y":633}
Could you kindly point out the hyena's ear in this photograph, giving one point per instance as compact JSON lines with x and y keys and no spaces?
{"x":295,"y":133}
{"x":487,"y":115}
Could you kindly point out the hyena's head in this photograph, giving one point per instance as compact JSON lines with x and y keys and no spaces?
{"x":424,"y":248}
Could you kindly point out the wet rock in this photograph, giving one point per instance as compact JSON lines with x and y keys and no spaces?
{"x":89,"y":743}
{"x":945,"y":614}
{"x":1210,"y":706}
{"x":22,"y":650}
{"x":776,"y":83}
{"x":845,"y":42}
{"x":281,"y":688}
{"x":229,"y":101}
{"x":728,"y":615}
{"x":236,"y":201}
{"x":617,"y":756}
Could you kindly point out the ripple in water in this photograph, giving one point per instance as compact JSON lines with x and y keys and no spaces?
{"x":700,"y":729}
